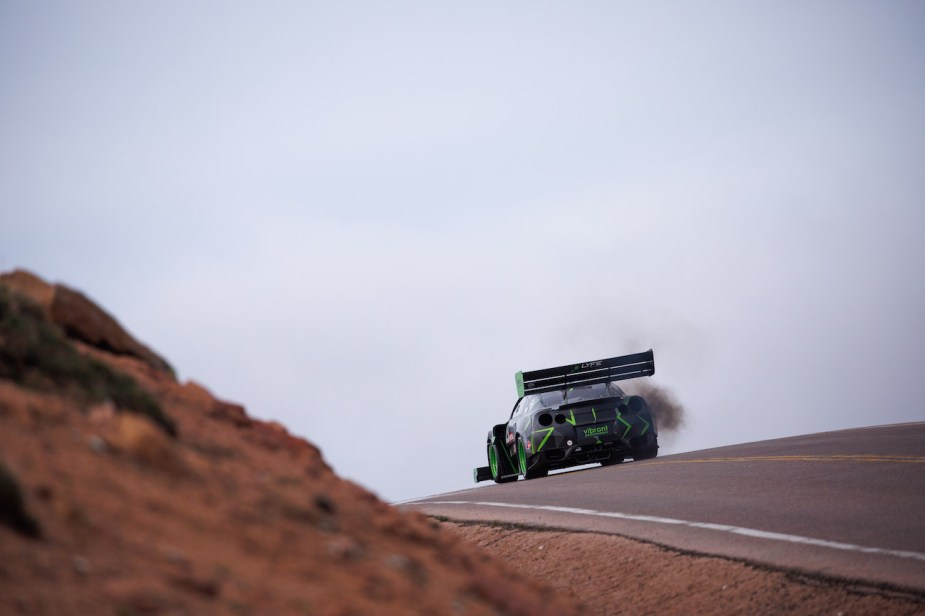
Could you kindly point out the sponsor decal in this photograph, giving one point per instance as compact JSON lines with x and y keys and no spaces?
{"x":591,"y":364}
{"x":596,"y":430}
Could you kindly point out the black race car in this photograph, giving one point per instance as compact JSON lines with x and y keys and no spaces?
{"x":573,"y":415}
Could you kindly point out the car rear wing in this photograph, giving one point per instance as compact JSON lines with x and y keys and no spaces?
{"x":587,"y":373}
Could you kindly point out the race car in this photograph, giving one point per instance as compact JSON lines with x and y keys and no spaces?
{"x":573,"y":415}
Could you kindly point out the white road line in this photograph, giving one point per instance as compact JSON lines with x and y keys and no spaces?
{"x":420,"y":498}
{"x":723,"y":528}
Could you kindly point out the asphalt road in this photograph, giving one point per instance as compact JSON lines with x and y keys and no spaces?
{"x":847,"y":504}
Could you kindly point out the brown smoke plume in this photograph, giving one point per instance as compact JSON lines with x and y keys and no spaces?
{"x":669,"y":413}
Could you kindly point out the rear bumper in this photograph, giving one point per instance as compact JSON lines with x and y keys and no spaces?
{"x":587,"y":451}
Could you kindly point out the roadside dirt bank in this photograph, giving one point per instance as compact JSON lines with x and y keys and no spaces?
{"x":609,"y":574}
{"x":126,"y":492}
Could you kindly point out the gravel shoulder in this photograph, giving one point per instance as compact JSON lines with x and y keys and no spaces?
{"x":609,"y":574}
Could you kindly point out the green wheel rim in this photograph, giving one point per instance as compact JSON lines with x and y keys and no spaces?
{"x":493,"y":461}
{"x":522,"y":458}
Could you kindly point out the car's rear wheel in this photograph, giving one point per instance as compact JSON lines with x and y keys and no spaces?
{"x":496,"y":465}
{"x":533,"y":473}
{"x":645,"y":454}
{"x":536,"y":473}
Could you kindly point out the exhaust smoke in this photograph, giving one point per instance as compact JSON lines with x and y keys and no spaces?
{"x":669,"y":413}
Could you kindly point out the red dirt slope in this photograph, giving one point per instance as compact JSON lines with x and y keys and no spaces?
{"x":231,"y":515}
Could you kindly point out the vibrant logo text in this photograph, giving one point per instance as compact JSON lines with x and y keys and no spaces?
{"x":596,"y":430}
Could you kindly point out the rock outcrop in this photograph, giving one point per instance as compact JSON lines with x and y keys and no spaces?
{"x":80,"y":318}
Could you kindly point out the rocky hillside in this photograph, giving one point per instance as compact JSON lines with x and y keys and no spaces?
{"x":124,"y":491}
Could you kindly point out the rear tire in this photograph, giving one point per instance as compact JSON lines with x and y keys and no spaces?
{"x":537,"y":473}
{"x":533,"y":473}
{"x":496,"y":465}
{"x":645,"y":454}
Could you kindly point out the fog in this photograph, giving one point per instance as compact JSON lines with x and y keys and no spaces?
{"x":361,"y":220}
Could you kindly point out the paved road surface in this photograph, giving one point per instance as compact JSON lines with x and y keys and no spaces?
{"x":849,"y":504}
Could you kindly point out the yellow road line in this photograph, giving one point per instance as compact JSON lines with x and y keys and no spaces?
{"x":830,"y":458}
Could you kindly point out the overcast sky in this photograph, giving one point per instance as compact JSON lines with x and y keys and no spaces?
{"x":361,"y":219}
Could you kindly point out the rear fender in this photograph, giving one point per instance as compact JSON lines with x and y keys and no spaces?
{"x":637,"y":405}
{"x":498,"y":432}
